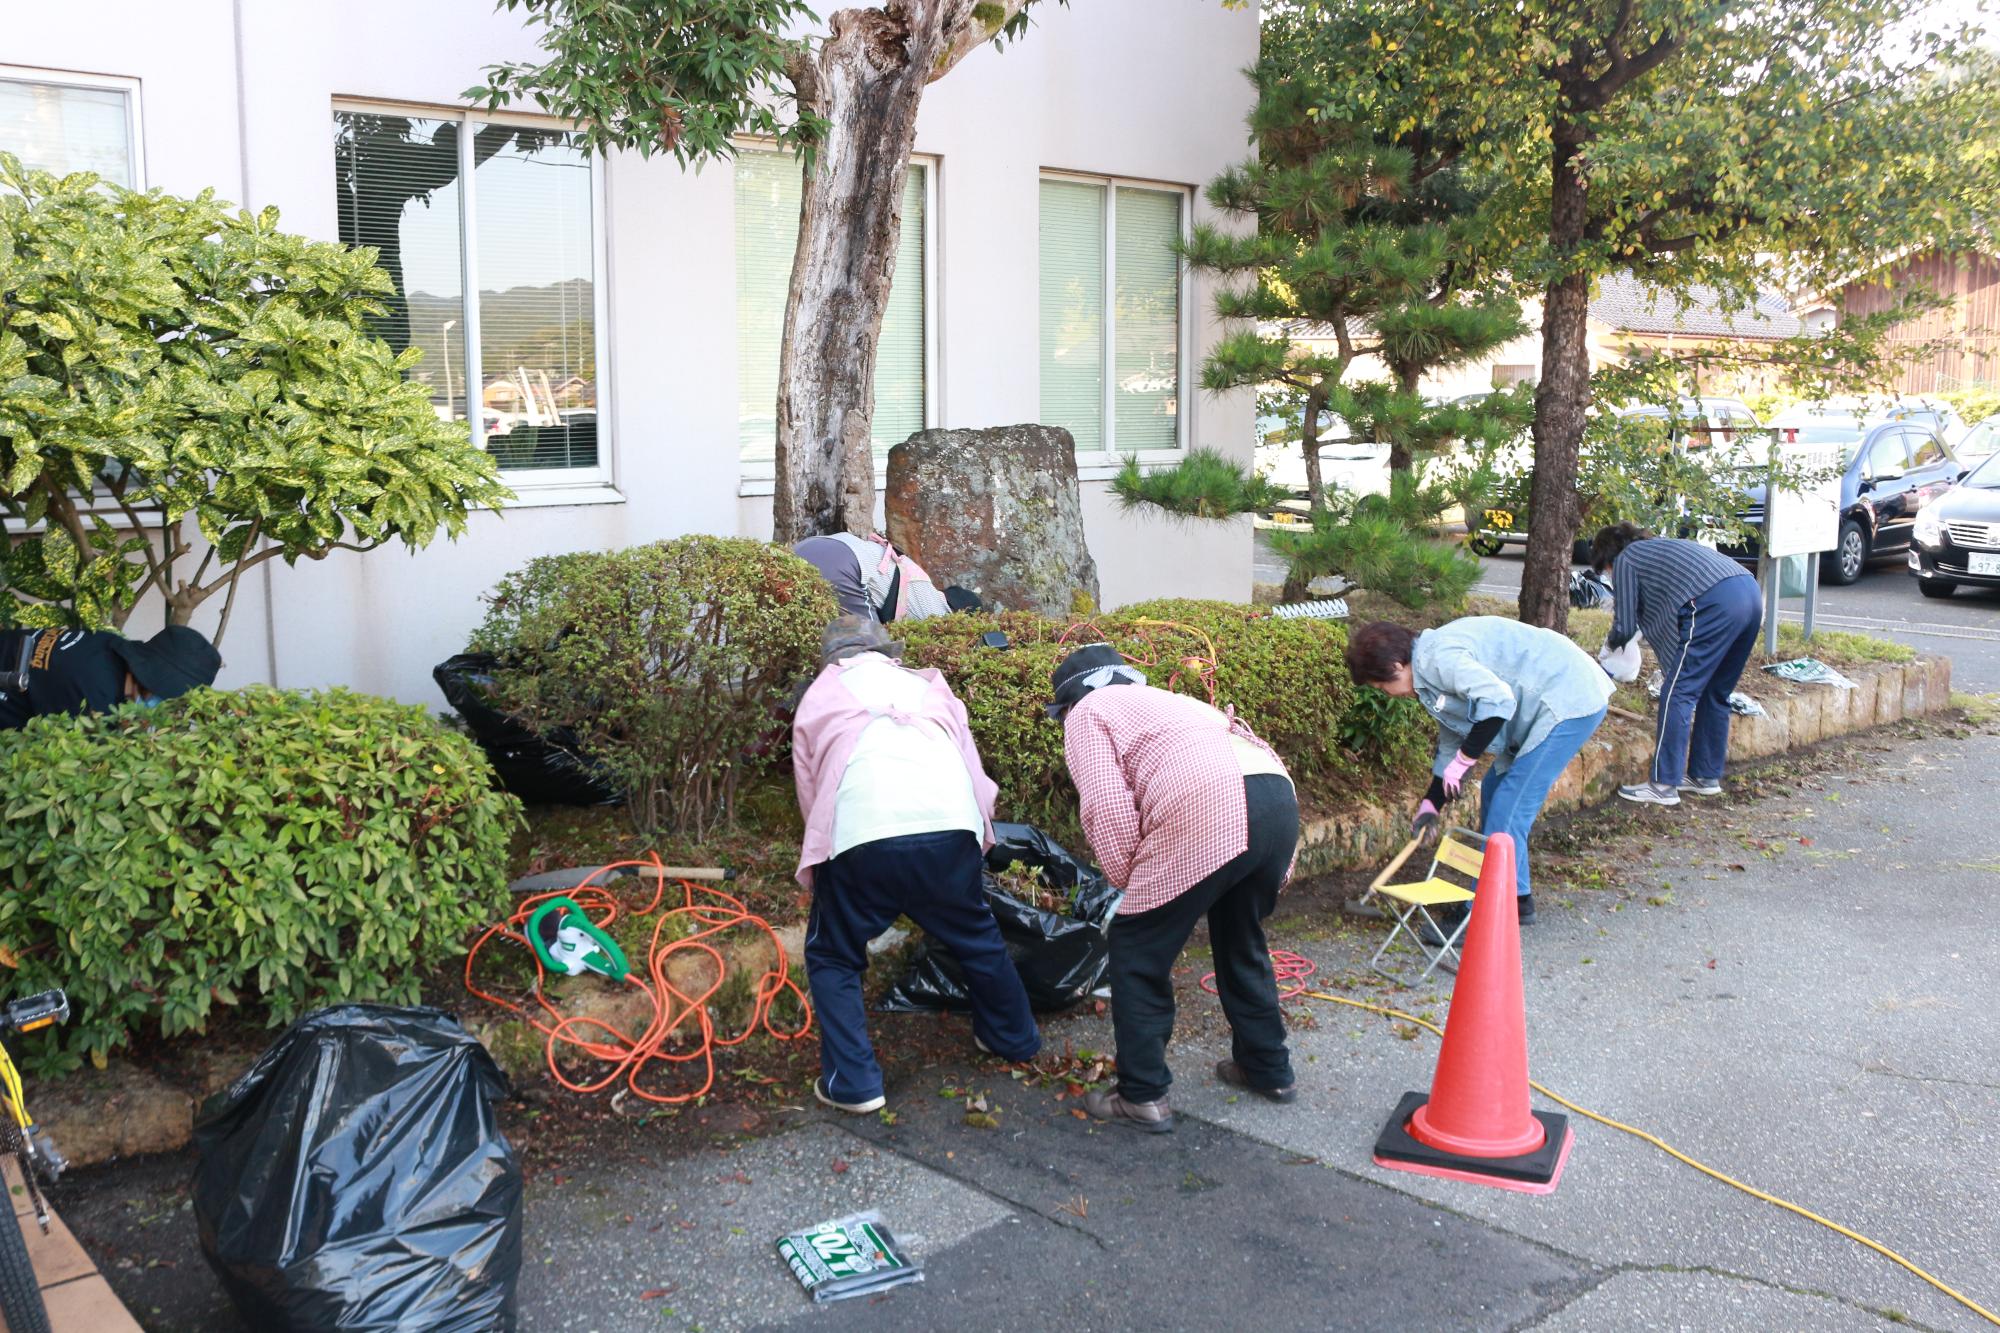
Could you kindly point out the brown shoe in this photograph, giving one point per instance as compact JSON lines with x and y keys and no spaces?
{"x":1232,"y":1073}
{"x":1152,"y":1117}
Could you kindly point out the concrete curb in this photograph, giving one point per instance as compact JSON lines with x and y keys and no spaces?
{"x":77,"y":1297}
{"x":1805,"y":715}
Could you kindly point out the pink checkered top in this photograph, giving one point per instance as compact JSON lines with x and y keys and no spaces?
{"x":1161,"y":789}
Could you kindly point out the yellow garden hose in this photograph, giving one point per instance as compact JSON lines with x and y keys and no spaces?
{"x":1680,"y":1156}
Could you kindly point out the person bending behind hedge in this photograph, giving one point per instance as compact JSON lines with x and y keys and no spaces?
{"x":76,"y":671}
{"x":1191,"y":815}
{"x":898,"y":813}
{"x":871,"y":578}
{"x":1701,"y":612}
{"x":1529,"y":695}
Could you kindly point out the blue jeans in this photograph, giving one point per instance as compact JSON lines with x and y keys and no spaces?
{"x":1509,"y":802}
{"x":934,"y":879}
{"x":1717,"y":631}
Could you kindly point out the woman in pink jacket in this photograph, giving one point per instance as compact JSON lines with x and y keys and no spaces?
{"x":898,"y":815}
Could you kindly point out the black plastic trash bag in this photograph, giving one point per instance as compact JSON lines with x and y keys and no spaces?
{"x":1587,"y":591}
{"x":1061,"y":957}
{"x":355,"y":1180}
{"x":548,"y":768}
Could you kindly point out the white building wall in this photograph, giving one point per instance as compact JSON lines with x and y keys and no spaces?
{"x":239,"y":97}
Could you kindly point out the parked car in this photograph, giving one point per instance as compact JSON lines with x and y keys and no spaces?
{"x":1957,"y":537}
{"x":1355,"y":467}
{"x":1943,"y":420}
{"x":1701,"y":423}
{"x":1979,"y":443}
{"x":1892,"y":471}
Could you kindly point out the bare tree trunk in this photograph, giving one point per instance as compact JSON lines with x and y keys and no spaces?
{"x":1401,"y":459}
{"x":867,"y":81}
{"x":1560,"y":400}
{"x":1309,"y":441}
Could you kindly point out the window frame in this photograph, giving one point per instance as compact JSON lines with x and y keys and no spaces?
{"x":531,"y":486}
{"x":135,"y":126}
{"x":759,"y":476}
{"x":1109,"y":459}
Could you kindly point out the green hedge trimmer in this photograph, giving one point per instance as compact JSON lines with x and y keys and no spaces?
{"x":567,"y":941}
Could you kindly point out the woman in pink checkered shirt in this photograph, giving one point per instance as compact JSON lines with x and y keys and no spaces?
{"x":1191,"y":815}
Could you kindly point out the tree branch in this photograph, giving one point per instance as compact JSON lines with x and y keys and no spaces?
{"x":1614,"y":45}
{"x":1593,"y":94}
{"x":155,"y":572}
{"x":972,"y":32}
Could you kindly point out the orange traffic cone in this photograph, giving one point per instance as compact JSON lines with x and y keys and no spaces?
{"x":1476,"y":1124}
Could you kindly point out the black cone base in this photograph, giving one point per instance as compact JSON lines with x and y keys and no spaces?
{"x":1540,"y":1167}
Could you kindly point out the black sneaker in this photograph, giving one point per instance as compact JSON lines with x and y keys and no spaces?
{"x":1524,"y":907}
{"x":1447,"y":922}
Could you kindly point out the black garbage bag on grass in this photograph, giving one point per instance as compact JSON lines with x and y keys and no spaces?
{"x":546,"y":768}
{"x":355,"y":1180}
{"x":1061,"y":956}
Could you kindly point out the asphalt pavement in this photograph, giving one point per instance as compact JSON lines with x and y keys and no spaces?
{"x":1785,"y":988}
{"x":1795,"y":988}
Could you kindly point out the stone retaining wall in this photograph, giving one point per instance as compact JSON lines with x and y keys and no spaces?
{"x":1620,"y":752}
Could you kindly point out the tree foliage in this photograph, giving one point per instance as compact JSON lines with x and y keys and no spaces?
{"x":187,"y":393}
{"x":1364,"y":229}
{"x":687,"y":77}
{"x":1690,"y":141}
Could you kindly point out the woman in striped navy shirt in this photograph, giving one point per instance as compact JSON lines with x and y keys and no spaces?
{"x":1700,"y":611}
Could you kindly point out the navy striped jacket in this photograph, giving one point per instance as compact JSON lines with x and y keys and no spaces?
{"x":1651,"y":581}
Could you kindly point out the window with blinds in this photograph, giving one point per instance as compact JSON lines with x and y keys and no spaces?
{"x":1108,"y":257}
{"x":65,"y":128}
{"x":488,"y":232}
{"x":1073,"y":311}
{"x":768,"y":189}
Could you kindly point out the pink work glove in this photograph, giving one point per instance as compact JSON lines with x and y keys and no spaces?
{"x":1455,"y":771}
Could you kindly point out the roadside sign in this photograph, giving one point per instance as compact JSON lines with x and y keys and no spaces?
{"x":1803,"y":521}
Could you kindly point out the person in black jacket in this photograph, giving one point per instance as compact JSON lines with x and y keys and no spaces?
{"x":92,"y":671}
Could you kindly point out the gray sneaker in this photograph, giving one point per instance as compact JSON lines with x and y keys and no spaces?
{"x":1650,"y":793}
{"x":1147,"y":1117}
{"x":1701,"y":787}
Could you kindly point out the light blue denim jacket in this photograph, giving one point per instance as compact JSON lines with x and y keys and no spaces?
{"x":1489,"y":666}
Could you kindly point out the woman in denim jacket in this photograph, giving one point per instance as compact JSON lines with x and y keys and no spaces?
{"x":1528,"y":695}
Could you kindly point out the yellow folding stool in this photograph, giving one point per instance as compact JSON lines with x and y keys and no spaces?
{"x":1461,"y":852}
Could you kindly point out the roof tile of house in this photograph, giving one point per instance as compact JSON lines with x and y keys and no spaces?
{"x":1631,"y":305}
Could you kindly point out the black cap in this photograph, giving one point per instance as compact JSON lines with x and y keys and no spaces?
{"x":962,"y":599}
{"x":1066,"y":681}
{"x":171,"y":663}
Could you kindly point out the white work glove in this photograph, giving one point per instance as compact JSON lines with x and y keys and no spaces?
{"x":1621,"y":664}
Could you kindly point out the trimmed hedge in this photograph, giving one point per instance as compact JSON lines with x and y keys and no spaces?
{"x":1285,"y":678}
{"x":261,"y":848}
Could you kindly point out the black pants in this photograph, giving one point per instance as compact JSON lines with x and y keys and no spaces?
{"x":1236,"y":899}
{"x":934,"y":879}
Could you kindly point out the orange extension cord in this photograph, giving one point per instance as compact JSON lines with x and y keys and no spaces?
{"x":1190,"y":666}
{"x":712,"y":914}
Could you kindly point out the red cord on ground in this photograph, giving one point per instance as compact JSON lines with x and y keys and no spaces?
{"x":1288,"y":966}
{"x":711,"y":914}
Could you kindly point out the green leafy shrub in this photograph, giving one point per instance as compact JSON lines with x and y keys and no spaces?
{"x":260,"y":847}
{"x":213,"y":380}
{"x":1285,"y":678}
{"x":670,"y":662}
